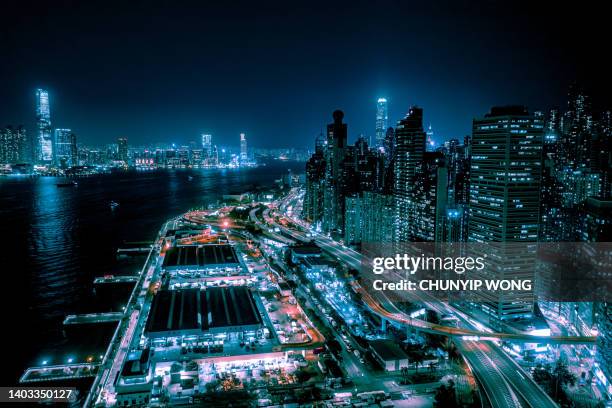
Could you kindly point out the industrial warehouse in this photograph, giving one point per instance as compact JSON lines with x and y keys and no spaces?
{"x":195,"y":312}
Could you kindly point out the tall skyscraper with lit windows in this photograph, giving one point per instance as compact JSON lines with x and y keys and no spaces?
{"x":44,"y":144}
{"x":505,"y":179}
{"x":12,"y":145}
{"x":409,"y":152}
{"x":122,"y":149}
{"x":65,"y":148}
{"x":382,"y":117}
{"x":243,"y":148}
{"x":207,"y":145}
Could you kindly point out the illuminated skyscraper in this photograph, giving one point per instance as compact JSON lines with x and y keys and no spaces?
{"x":409,"y":151}
{"x":122,"y":149}
{"x":429,"y":199}
{"x":44,"y":144}
{"x":243,"y":148}
{"x":505,"y":179}
{"x":382,"y":118}
{"x":207,"y":145}
{"x":334,"y":198}
{"x":315,"y":183}
{"x":12,"y":145}
{"x":65,"y":148}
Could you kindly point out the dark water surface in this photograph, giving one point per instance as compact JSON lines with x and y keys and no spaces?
{"x":55,"y":241}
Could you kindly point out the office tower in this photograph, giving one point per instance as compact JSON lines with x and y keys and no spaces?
{"x":431,"y":144}
{"x":353,"y":222}
{"x":575,"y":142}
{"x":214,"y":160}
{"x":363,"y":168}
{"x":578,"y":185}
{"x":457,"y":163}
{"x":368,"y":218}
{"x":207,"y":145}
{"x":601,"y":152}
{"x":378,"y":216}
{"x":315,"y":184}
{"x":334,"y":183}
{"x":429,"y":199}
{"x":504,"y":206}
{"x":243,"y":148}
{"x":389,"y":145}
{"x":552,"y":130}
{"x":456,"y":223}
{"x":409,"y":151}
{"x":382,"y":117}
{"x":65,"y":148}
{"x":183,"y":156}
{"x":44,"y":144}
{"x":596,"y":221}
{"x":195,"y":157}
{"x":122,"y":149}
{"x":13,"y":145}
{"x":389,"y":157}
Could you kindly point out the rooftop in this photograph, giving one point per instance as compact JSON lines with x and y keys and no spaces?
{"x":387,"y":350}
{"x":200,"y":255}
{"x":217,"y":308}
{"x":306,"y":249}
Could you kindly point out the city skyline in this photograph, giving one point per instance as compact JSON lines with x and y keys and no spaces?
{"x":198,"y":96}
{"x":307,"y":204}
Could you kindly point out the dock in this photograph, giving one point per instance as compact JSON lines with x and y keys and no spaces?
{"x":115,"y":279}
{"x":93,"y":318}
{"x":59,"y":372}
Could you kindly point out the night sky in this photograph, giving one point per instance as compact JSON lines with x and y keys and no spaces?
{"x":166,"y":73}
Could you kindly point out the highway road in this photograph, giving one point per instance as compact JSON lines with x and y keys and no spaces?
{"x":501,"y":378}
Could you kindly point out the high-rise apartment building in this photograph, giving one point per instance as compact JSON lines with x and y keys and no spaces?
{"x":409,"y":151}
{"x":429,"y":199}
{"x":13,"y":145}
{"x":334,"y":181}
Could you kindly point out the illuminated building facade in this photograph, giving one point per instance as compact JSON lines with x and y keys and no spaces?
{"x":409,"y":151}
{"x":65,"y":148}
{"x":429,"y":199}
{"x":44,"y":145}
{"x":315,"y":187}
{"x":12,"y":145}
{"x":382,"y":117}
{"x":334,"y":182}
{"x":243,"y":148}
{"x":122,"y":149}
{"x":207,"y":145}
{"x":504,"y":205}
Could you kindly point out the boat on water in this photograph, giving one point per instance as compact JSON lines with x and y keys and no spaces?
{"x":190,"y":178}
{"x":67,"y":184}
{"x":113,"y":205}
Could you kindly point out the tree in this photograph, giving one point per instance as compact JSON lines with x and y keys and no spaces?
{"x":542,"y":376}
{"x":302,"y":376}
{"x":562,"y":376}
{"x":418,"y":358}
{"x":404,"y":372}
{"x":445,"y":396}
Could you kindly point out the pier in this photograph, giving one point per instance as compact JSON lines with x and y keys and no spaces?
{"x":59,"y":372}
{"x":93,"y":318}
{"x":115,"y":279}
